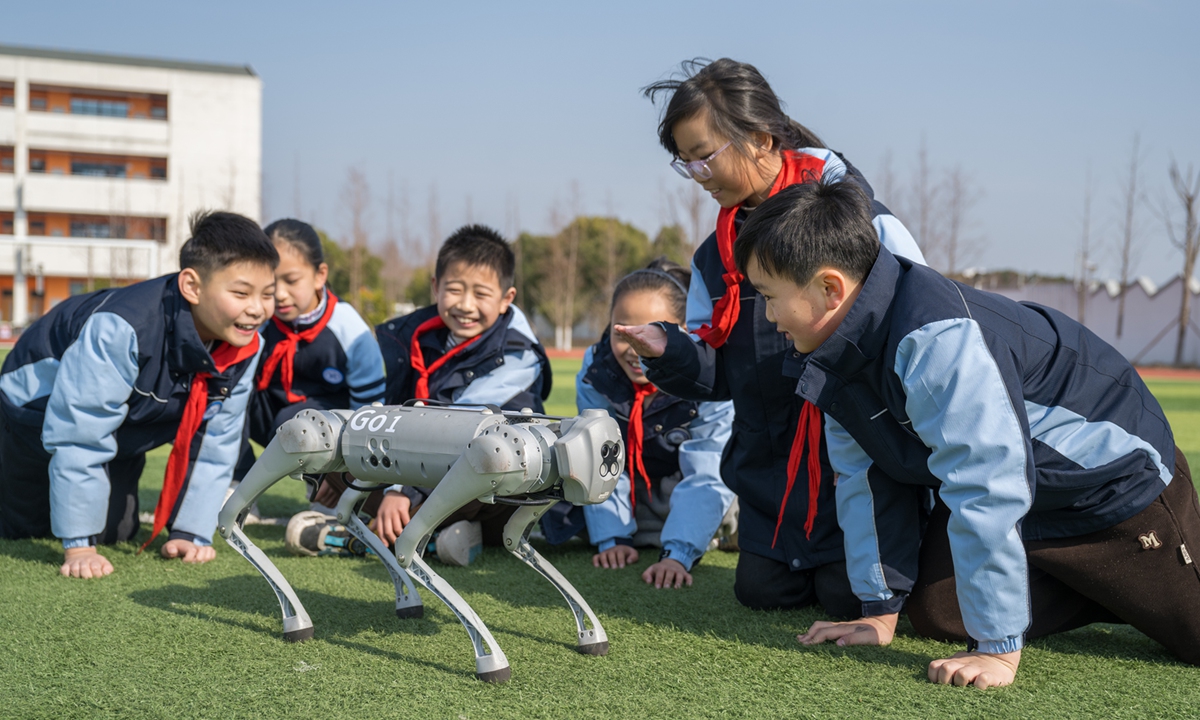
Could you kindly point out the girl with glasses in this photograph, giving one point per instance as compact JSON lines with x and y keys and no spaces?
{"x":727,"y":131}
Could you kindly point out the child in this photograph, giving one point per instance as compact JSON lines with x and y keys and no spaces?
{"x":472,"y":346}
{"x":318,"y":352}
{"x":1065,"y":497}
{"x":104,"y":377}
{"x":670,"y":495}
{"x":726,"y":130}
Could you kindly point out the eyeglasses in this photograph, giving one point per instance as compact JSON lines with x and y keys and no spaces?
{"x":698,"y":169}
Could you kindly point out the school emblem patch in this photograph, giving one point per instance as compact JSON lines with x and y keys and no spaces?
{"x":333,"y":376}
{"x":211,"y":411}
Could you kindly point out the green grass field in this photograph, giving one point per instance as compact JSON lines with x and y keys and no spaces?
{"x":157,"y":639}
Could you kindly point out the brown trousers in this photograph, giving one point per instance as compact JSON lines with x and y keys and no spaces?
{"x":1142,"y":571}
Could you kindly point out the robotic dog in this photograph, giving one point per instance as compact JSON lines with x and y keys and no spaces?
{"x":466,"y":453}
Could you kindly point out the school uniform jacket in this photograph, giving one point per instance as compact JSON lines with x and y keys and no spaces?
{"x":107,"y":375}
{"x":1026,"y":424}
{"x":675,"y":440}
{"x":507,"y":366}
{"x":748,"y":369}
{"x":341,"y":368}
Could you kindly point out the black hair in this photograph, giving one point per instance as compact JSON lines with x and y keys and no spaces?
{"x":804,"y":228}
{"x":739,"y":102}
{"x":480,"y":246}
{"x":660,"y":275}
{"x":301,"y":236}
{"x":220,"y":239}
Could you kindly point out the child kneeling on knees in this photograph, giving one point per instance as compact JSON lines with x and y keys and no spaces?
{"x":671,"y":495}
{"x":104,"y":377}
{"x":472,"y":346}
{"x":1062,"y":496}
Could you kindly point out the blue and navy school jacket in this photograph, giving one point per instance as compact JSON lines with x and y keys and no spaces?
{"x":341,"y":368}
{"x":107,"y":375}
{"x":675,"y":440}
{"x":1026,"y":424}
{"x":748,"y":369}
{"x":507,"y":366}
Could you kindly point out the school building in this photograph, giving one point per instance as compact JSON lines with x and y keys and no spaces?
{"x":102,"y":159}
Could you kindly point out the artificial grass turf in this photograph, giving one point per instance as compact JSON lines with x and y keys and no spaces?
{"x":158,"y":639}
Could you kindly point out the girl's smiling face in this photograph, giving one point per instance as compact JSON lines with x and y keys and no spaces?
{"x":297,"y":283}
{"x":638,"y":307}
{"x":741,"y":175}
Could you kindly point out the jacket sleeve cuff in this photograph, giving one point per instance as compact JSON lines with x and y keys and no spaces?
{"x":683,"y":554}
{"x":190,"y":537}
{"x":78,"y":542}
{"x":413,"y":494}
{"x":891,"y":606}
{"x":997,"y":647}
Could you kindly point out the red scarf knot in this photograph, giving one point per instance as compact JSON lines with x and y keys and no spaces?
{"x":283,"y":355}
{"x":808,"y":431}
{"x":634,"y":464}
{"x":417,"y":356}
{"x":223,"y":357}
{"x":797,"y":168}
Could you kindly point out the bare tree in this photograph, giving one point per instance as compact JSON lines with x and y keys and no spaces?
{"x":393,"y":264}
{"x":512,"y":230}
{"x":695,"y":209}
{"x":960,"y":198}
{"x":1132,"y":197}
{"x":435,"y":225}
{"x":229,"y":196}
{"x":1085,"y":251}
{"x":1187,"y":240}
{"x":889,"y":191}
{"x":610,"y":248}
{"x":356,"y":200}
{"x":923,"y":199}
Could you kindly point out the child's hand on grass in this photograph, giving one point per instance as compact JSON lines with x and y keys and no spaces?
{"x":664,"y":573}
{"x":84,"y":562}
{"x":983,"y":670}
{"x":392,"y":516}
{"x":617,"y":556}
{"x":188,"y":551}
{"x":327,"y":494}
{"x":877,"y":630}
{"x":648,"y":341}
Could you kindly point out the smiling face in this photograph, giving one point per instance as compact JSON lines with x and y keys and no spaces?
{"x":807,"y":314}
{"x":740,"y":175}
{"x":638,"y":307}
{"x":297,"y":283}
{"x":470,"y":299}
{"x":231,"y":303}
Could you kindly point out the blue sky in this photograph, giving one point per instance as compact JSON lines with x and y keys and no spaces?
{"x":499,"y":105}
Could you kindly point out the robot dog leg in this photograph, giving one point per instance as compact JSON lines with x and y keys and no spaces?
{"x":308,"y":446}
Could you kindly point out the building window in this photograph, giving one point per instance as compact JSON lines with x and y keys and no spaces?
{"x":37,"y":227}
{"x":37,"y":164}
{"x":97,"y":169}
{"x":158,"y":172}
{"x":77,"y":287}
{"x":158,"y":112}
{"x":37,"y":103}
{"x":91,"y":229}
{"x":7,"y":94}
{"x":95,"y":106}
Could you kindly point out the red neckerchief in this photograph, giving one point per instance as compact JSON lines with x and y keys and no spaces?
{"x":418,"y":357}
{"x":634,"y":464}
{"x":285,"y":350}
{"x":810,"y":426}
{"x":223,"y":357}
{"x":797,"y":168}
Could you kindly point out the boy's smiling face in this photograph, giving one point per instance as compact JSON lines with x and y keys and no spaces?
{"x":470,"y":299}
{"x":807,"y":314}
{"x":231,"y":303}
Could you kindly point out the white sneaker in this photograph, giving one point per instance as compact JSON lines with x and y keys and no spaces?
{"x":458,"y":544}
{"x":306,"y":532}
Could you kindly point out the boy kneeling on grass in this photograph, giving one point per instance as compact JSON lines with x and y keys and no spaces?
{"x":104,"y":377}
{"x":1062,"y":499}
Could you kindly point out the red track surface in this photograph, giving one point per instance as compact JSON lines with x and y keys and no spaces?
{"x":1169,"y":373}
